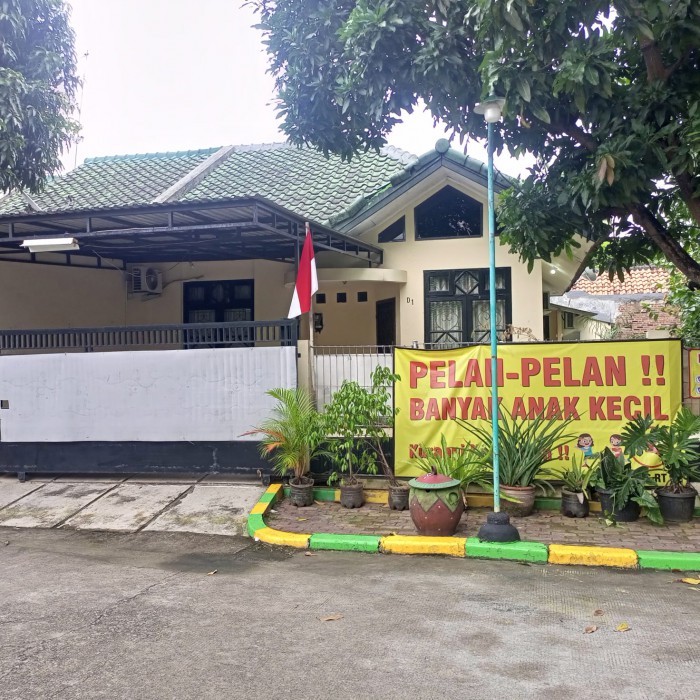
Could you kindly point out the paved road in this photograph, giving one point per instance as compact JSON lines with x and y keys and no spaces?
{"x":104,"y":615}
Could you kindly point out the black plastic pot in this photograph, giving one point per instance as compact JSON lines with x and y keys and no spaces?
{"x":398,"y":497}
{"x":352,"y":495}
{"x":571,"y":507}
{"x":628,"y":514}
{"x":302,"y":494}
{"x":676,"y":507}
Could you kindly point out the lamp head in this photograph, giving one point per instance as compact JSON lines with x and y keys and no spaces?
{"x":491,"y":108}
{"x":50,"y":245}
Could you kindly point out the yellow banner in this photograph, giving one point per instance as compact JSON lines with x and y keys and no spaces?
{"x":600,"y":385}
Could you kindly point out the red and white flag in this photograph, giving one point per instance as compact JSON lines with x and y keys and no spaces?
{"x":307,"y":280}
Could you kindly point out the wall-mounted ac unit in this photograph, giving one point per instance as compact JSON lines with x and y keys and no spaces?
{"x":145,"y":280}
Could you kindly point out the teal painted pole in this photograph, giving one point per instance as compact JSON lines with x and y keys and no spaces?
{"x":494,"y":338}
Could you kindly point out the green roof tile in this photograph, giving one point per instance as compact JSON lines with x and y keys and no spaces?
{"x":302,"y":180}
{"x":110,"y":182}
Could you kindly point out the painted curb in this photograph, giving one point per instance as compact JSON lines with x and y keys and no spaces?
{"x":345,"y":543}
{"x":682,"y":561}
{"x":417,"y":544}
{"x":514,"y":551}
{"x":471,"y":547}
{"x":577,"y":555}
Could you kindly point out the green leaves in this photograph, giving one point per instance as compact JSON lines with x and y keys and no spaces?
{"x":577,"y":88}
{"x":38,"y":85}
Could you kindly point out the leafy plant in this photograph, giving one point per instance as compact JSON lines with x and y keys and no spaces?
{"x":293,"y":434}
{"x":356,"y":420}
{"x":579,"y":475}
{"x":524,"y":446}
{"x":467,"y":464}
{"x":626,"y":484}
{"x":676,"y":444}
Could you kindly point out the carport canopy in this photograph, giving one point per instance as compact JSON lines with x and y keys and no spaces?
{"x":233,"y":229}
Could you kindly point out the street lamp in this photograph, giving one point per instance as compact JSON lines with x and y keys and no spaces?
{"x":497,"y":527}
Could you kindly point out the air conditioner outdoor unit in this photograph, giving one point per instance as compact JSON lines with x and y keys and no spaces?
{"x":145,"y":280}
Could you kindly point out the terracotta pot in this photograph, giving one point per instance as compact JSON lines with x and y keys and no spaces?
{"x":572,"y":507}
{"x":676,"y":507}
{"x":436,"y":505}
{"x":352,"y":495}
{"x":398,"y":497}
{"x":525,"y":503}
{"x":302,"y":493}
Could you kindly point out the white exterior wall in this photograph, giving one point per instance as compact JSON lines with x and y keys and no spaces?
{"x":166,"y":395}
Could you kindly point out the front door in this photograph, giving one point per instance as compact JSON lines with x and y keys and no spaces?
{"x":386,"y":324}
{"x":224,"y":301}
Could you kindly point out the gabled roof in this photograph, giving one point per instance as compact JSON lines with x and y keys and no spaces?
{"x":301,"y":180}
{"x":417,"y":169}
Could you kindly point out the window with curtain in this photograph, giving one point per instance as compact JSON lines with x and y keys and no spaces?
{"x":457,"y":308}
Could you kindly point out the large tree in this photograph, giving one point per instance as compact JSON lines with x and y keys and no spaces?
{"x":37,"y":90}
{"x":604,"y":93}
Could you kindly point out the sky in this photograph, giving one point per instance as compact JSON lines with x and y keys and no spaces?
{"x":169,"y":75}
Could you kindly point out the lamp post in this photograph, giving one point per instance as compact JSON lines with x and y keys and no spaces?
{"x":497,"y":527}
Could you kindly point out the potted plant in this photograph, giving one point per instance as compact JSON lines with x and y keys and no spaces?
{"x":468,"y":465}
{"x":291,"y":436}
{"x":525,"y":446}
{"x":438,"y":498}
{"x":678,"y":448}
{"x":577,"y":478}
{"x":356,"y":420}
{"x":623,"y":490}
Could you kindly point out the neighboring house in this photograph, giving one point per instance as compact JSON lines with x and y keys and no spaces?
{"x":195,"y":251}
{"x":597,"y":307}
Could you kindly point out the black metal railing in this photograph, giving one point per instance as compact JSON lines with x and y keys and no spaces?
{"x":187,"y":335}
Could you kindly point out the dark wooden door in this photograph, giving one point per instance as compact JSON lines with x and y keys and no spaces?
{"x":386,"y":324}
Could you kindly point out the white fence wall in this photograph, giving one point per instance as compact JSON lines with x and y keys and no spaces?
{"x":333,"y":365}
{"x":162,"y":395}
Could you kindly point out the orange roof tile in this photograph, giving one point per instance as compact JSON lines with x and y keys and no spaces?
{"x":645,"y":279}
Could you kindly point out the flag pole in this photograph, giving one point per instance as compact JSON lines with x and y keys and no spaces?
{"x":312,"y":363}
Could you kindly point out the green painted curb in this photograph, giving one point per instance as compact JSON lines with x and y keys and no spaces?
{"x":324,"y":494}
{"x":267,"y":497}
{"x":547,"y":503}
{"x":518,"y":551}
{"x":345,"y":543}
{"x":255,"y":523}
{"x":683,"y":561}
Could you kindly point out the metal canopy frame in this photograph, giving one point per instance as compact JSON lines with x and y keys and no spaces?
{"x":232,"y":229}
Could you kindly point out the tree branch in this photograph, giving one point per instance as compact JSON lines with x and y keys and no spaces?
{"x":687,"y":190}
{"x":670,"y":247}
{"x":577,"y":134}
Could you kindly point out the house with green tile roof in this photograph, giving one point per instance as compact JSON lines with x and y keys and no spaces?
{"x":198,"y":250}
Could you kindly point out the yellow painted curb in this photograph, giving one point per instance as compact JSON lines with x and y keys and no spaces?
{"x":259,"y":508}
{"x":286,"y":539}
{"x":592,"y":556}
{"x":375,"y":496}
{"x":274,"y":488}
{"x":414,"y":544}
{"x":478,"y":500}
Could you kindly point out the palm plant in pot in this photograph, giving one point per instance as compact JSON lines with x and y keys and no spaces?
{"x":356,"y":421}
{"x":291,"y":436}
{"x":623,"y":490}
{"x":678,"y":449}
{"x":577,"y":478}
{"x":525,"y":446}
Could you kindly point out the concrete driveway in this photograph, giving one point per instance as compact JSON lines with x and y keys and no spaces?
{"x":205,"y":504}
{"x":103,"y":615}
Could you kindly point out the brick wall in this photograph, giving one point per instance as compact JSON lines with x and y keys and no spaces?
{"x":635,"y":318}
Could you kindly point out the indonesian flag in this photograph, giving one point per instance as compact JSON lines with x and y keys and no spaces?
{"x":307,"y":280}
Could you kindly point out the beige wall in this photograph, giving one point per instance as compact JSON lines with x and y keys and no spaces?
{"x":51,"y":296}
{"x":447,"y":254}
{"x":35,"y":296}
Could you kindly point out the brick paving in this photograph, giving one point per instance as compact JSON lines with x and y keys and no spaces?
{"x":546,"y":526}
